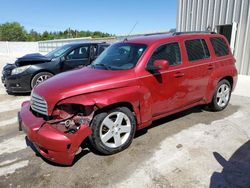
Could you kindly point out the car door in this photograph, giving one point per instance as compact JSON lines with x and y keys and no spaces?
{"x":76,"y":58}
{"x":165,"y":87}
{"x":198,"y":69}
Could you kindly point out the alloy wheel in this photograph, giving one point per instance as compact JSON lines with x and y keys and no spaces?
{"x":222,"y":96}
{"x":42,"y":78}
{"x":115,"y":129}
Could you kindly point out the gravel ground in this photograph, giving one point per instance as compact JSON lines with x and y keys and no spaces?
{"x":195,"y":148}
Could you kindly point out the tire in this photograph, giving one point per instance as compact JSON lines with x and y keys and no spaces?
{"x":40,"y":77}
{"x":107,"y":130}
{"x":221,"y":96}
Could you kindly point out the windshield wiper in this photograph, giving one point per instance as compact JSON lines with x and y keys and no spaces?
{"x":107,"y":67}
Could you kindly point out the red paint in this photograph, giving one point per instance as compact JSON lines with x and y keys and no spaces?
{"x":45,"y":137}
{"x":151,"y":96}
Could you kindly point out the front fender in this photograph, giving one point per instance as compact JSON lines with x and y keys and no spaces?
{"x":79,"y":99}
{"x":102,"y":99}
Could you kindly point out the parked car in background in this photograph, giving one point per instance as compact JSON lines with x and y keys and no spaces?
{"x":128,"y":86}
{"x":32,"y":69}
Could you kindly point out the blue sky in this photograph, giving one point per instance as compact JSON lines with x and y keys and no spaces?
{"x":112,"y":16}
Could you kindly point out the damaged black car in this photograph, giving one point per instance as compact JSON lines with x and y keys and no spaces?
{"x":32,"y":69}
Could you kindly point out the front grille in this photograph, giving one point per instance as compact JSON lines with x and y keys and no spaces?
{"x":38,"y":104}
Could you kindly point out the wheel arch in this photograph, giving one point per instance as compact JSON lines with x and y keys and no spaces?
{"x":42,"y":70}
{"x":229,"y":79}
{"x":212,"y":85}
{"x":118,"y":104}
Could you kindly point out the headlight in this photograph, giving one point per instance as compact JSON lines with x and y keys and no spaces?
{"x":19,"y":70}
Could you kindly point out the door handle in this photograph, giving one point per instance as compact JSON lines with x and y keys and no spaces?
{"x":178,"y":74}
{"x":210,"y":67}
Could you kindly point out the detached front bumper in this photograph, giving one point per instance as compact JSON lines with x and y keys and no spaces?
{"x":17,"y":83}
{"x":52,"y":144}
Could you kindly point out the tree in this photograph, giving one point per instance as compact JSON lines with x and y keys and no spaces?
{"x":47,"y":36}
{"x":33,"y":36}
{"x":12,"y":31}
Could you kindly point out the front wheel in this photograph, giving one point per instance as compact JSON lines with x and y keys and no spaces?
{"x":39,"y":78}
{"x":113,"y":131}
{"x":221,"y":96}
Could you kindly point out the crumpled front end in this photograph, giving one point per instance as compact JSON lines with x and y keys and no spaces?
{"x":57,"y":140}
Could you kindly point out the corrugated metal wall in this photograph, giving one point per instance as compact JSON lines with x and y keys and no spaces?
{"x":198,"y":15}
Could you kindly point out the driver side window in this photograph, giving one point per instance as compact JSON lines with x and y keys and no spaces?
{"x":78,"y":53}
{"x":170,"y":52}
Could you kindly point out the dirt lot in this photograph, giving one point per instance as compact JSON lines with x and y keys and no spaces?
{"x":195,"y":148}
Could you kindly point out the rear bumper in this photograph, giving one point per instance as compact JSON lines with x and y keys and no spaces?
{"x":52,"y":144}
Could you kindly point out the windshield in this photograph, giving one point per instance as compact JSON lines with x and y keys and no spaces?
{"x":58,"y":52}
{"x":120,"y":56}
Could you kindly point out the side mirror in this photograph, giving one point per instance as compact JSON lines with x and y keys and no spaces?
{"x":159,"y":64}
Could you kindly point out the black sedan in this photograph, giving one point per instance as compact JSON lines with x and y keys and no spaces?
{"x":32,"y":69}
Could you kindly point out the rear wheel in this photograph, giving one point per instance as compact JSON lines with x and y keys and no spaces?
{"x":39,"y":78}
{"x":113,"y":131}
{"x":221,"y":96}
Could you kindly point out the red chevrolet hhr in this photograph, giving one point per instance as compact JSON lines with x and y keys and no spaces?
{"x":131,"y":84}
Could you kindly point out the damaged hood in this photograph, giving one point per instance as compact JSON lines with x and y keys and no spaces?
{"x":82,"y":81}
{"x":9,"y":66}
{"x":31,"y":59}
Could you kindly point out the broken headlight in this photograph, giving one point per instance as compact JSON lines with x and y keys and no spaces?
{"x":69,"y":117}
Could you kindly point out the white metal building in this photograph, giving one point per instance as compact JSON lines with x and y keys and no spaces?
{"x":228,"y":17}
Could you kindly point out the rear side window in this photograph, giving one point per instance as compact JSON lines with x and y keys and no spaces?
{"x":170,"y":52}
{"x":197,"y":49}
{"x":220,"y":46}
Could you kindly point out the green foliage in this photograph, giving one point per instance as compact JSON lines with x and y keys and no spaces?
{"x":13,"y":31}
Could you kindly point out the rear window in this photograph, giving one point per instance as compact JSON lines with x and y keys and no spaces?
{"x":197,"y":49}
{"x":220,"y":46}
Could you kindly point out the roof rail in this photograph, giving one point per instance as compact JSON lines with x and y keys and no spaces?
{"x":158,"y":33}
{"x":193,"y":32}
